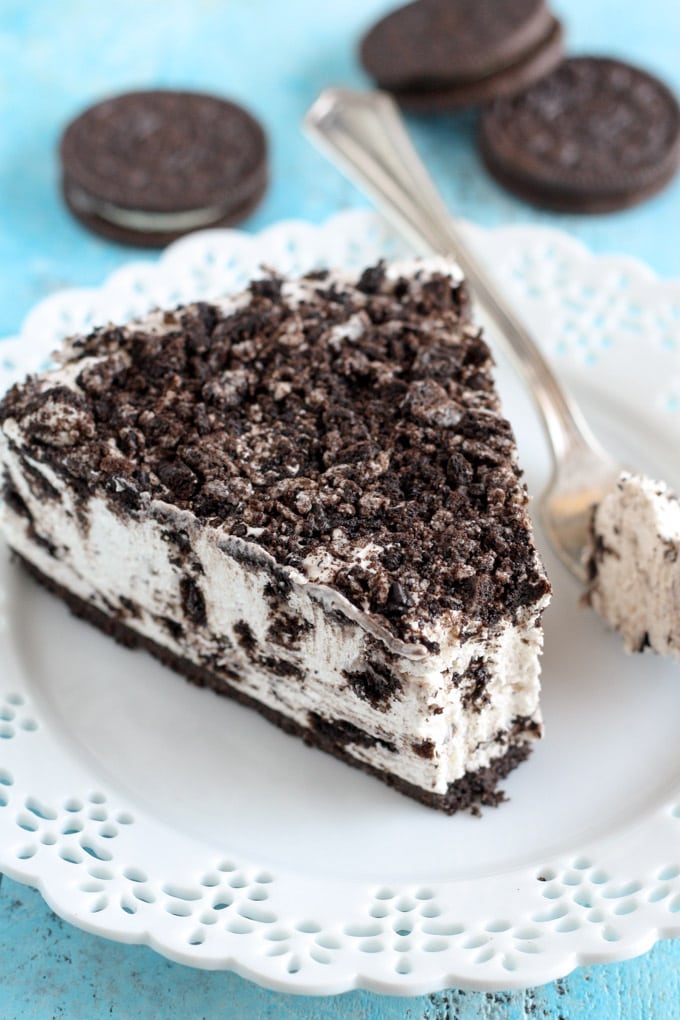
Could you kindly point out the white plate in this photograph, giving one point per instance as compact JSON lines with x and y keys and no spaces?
{"x":149,"y":811}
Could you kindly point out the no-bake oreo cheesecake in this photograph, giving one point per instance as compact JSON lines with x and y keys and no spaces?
{"x":305,"y":497}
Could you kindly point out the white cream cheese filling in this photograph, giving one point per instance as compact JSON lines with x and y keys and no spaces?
{"x":104,"y":558}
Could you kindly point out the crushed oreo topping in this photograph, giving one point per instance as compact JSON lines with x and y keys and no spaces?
{"x":351,"y":430}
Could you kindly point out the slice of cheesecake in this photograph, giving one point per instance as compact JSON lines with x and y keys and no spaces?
{"x":304,"y":497}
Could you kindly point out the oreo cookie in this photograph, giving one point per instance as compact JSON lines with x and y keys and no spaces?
{"x":506,"y":82}
{"x":144,"y":168}
{"x":594,"y":136}
{"x":444,"y":54}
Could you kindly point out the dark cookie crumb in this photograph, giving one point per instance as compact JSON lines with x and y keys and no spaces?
{"x":282,"y":667}
{"x":173,"y":627}
{"x":245,"y":637}
{"x":474,"y":685}
{"x":279,"y":587}
{"x":342,"y":732}
{"x":45,"y":543}
{"x":423,"y":748}
{"x":17,"y":505}
{"x":38,"y":484}
{"x":130,"y":607}
{"x":644,"y":642}
{"x":288,"y":630}
{"x":14,"y":500}
{"x":193,"y":601}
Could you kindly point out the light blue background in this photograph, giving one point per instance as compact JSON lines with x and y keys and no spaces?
{"x":56,"y":58}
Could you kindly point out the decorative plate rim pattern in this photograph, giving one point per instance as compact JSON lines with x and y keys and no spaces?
{"x":99,"y":864}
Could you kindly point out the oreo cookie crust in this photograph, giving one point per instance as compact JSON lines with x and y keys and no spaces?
{"x":594,"y":136}
{"x":431,"y":43}
{"x":145,"y":168}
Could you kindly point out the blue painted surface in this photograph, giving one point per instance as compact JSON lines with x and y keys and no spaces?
{"x":55,"y":58}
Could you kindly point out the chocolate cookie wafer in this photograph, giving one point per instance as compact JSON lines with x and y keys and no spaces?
{"x":444,"y":54}
{"x":593,"y":136}
{"x":433,"y":42}
{"x":146,"y":167}
{"x":518,"y":77}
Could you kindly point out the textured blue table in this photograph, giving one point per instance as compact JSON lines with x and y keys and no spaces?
{"x":55,"y":58}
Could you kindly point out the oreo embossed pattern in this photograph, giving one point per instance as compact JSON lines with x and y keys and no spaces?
{"x":435,"y":55}
{"x":595,"y":135}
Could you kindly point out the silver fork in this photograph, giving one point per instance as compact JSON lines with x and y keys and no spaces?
{"x":364,"y":135}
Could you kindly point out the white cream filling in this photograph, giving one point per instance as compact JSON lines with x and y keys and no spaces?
{"x":146,"y":220}
{"x":637,"y":586}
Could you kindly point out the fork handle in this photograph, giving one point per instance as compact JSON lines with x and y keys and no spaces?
{"x":364,"y":135}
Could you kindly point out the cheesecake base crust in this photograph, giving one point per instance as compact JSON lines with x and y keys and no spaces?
{"x":469,"y":792}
